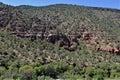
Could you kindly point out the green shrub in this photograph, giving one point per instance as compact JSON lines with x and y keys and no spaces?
{"x":17,"y":76}
{"x":44,"y":78}
{"x":52,"y":69}
{"x":99,"y":74}
{"x":2,"y":70}
{"x":79,"y":70}
{"x":35,"y":64}
{"x":115,"y":74}
{"x":90,"y":72}
{"x":69,"y":75}
{"x":26,"y":71}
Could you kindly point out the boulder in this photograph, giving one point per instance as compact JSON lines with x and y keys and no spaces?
{"x":53,"y":38}
{"x":86,"y":35}
{"x":106,"y":48}
{"x":89,"y":46}
{"x":116,"y":51}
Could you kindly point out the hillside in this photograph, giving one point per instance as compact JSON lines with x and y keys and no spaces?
{"x":59,"y":41}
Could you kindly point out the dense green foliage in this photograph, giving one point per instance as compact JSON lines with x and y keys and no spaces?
{"x":26,"y":59}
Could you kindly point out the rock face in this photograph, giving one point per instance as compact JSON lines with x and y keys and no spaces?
{"x":89,"y":46}
{"x":109,"y":49}
{"x":70,"y":42}
{"x":106,"y":48}
{"x":73,"y":38}
{"x":86,"y":35}
{"x":116,"y":51}
{"x":53,"y":38}
{"x":72,"y":47}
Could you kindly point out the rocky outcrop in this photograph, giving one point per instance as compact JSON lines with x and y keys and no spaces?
{"x":69,"y":42}
{"x":87,"y":35}
{"x":89,"y":46}
{"x":53,"y":38}
{"x":109,"y":49}
{"x":116,"y":51}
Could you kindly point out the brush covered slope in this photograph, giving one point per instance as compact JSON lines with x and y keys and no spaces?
{"x":59,"y":42}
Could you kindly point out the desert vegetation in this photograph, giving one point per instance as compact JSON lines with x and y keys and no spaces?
{"x":59,"y":42}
